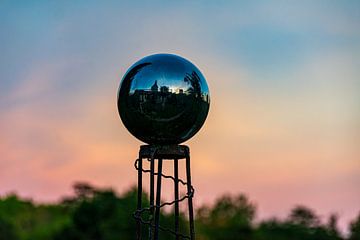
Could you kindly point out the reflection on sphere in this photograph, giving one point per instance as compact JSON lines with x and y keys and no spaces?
{"x":163,"y":99}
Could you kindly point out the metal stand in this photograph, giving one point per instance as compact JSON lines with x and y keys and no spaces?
{"x":160,"y":153}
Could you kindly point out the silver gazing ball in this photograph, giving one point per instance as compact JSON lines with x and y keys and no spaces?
{"x":163,"y":99}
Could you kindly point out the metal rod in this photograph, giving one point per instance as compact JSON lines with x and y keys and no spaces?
{"x":158,"y":196}
{"x":176,"y":190}
{"x":139,"y":197}
{"x":151,"y":214}
{"x":190,"y":203}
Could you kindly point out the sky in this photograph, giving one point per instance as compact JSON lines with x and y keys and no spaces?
{"x":284,"y":80}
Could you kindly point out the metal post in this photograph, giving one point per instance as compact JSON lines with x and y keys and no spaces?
{"x":190,"y":193}
{"x":158,"y":196}
{"x":139,"y":196}
{"x":151,"y":214}
{"x":176,"y":190}
{"x":159,"y":153}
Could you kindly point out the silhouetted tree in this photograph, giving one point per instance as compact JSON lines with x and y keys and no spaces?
{"x":355,"y":229}
{"x":194,"y":80}
{"x":284,"y":230}
{"x":100,"y":214}
{"x":83,"y":190}
{"x":275,"y":229}
{"x":302,"y":215}
{"x":32,"y":221}
{"x":332,"y":226}
{"x":229,"y":218}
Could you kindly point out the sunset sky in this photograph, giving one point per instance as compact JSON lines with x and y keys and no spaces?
{"x":284,"y":79}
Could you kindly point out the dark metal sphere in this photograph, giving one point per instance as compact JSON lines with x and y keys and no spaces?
{"x":163,"y":99}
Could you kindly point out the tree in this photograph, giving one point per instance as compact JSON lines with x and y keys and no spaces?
{"x":29,"y":220}
{"x":301,"y":224}
{"x":355,"y":229}
{"x":304,"y":216}
{"x":229,"y":218}
{"x":332,"y":226}
{"x":100,"y":215}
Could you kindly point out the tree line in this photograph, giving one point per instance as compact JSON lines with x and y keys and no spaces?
{"x":100,"y":214}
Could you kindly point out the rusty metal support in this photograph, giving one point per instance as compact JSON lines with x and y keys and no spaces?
{"x":164,"y":153}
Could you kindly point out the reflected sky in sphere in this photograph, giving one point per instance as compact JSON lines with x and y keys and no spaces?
{"x":163,"y":99}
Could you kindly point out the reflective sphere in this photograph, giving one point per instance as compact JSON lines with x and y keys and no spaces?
{"x":163,"y":99}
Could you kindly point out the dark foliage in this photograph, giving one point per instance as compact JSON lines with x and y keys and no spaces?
{"x":7,"y":230}
{"x":355,"y":229}
{"x":230,"y":216}
{"x":99,"y":214}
